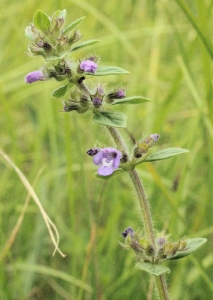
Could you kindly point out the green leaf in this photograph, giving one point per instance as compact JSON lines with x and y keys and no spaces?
{"x":164,"y":154}
{"x":191,"y":246}
{"x":114,"y":119}
{"x":85,"y":44}
{"x":29,"y":34}
{"x":155,"y":270}
{"x":60,"y":92}
{"x":108,"y":70}
{"x":41,"y":21}
{"x":56,"y":14}
{"x":131,"y":100}
{"x":51,"y":58}
{"x":63,"y":13}
{"x":73,"y":25}
{"x":116,"y":172}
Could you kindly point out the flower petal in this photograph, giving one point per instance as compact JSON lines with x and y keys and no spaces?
{"x":97,"y":158}
{"x":88,"y":66}
{"x":116,"y":161}
{"x":34,"y":76}
{"x":105,"y":171}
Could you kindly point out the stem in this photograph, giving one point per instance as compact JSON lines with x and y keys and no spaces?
{"x":144,"y":206}
{"x":117,"y":138}
{"x":145,"y":212}
{"x":161,"y":285}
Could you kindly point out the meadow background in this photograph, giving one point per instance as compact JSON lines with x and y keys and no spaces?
{"x":169,"y":54}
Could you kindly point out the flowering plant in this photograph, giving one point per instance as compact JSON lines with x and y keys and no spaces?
{"x":50,"y":38}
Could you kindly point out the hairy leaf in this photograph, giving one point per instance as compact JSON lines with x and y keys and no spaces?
{"x":164,"y":154}
{"x":114,"y":119}
{"x":155,"y":270}
{"x":191,"y":246}
{"x":85,"y":44}
{"x":60,"y":92}
{"x":109,"y":70}
{"x":73,"y":25}
{"x":131,"y":100}
{"x":41,"y":21}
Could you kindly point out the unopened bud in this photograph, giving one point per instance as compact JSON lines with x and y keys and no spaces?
{"x":35,"y":76}
{"x":117,"y":94}
{"x":97,"y":102}
{"x":93,"y":151}
{"x":143,"y":146}
{"x":128,"y":231}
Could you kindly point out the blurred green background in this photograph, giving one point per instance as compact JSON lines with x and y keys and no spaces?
{"x":171,"y":64}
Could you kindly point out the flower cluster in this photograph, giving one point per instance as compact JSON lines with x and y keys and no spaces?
{"x":163,"y":249}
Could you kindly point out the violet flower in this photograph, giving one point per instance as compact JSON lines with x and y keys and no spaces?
{"x":88,"y":66}
{"x":155,"y":137}
{"x":34,"y":76}
{"x":119,"y":94}
{"x":108,"y":158}
{"x":128,"y":231}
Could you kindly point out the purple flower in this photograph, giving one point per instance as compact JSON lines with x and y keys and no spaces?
{"x":128,"y":231}
{"x":109,"y":159}
{"x":88,"y":66}
{"x":120,"y":94}
{"x":155,"y":137}
{"x":34,"y":76}
{"x":97,"y":102}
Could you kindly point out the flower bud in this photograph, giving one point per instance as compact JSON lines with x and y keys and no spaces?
{"x":97,"y":102}
{"x":128,"y":231}
{"x":93,"y":151}
{"x":117,"y":94}
{"x":71,"y":105}
{"x":88,"y":66}
{"x":143,"y":146}
{"x":124,"y":158}
{"x":35,"y":76}
{"x":77,"y":36}
{"x":84,"y":101}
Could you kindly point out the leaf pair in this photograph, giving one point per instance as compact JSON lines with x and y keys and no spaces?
{"x":156,"y":270}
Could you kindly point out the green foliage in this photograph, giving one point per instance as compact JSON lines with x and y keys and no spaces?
{"x":131,"y":100}
{"x":41,"y":21}
{"x":85,"y":44}
{"x":114,"y":119}
{"x":155,"y":270}
{"x":73,"y":25}
{"x":60,"y":92}
{"x":154,"y":41}
{"x":109,"y":70}
{"x":164,"y":154}
{"x":191,"y":246}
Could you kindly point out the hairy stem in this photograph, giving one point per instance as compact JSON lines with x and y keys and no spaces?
{"x":161,"y":285}
{"x":117,"y":138}
{"x":145,"y":212}
{"x":144,"y":206}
